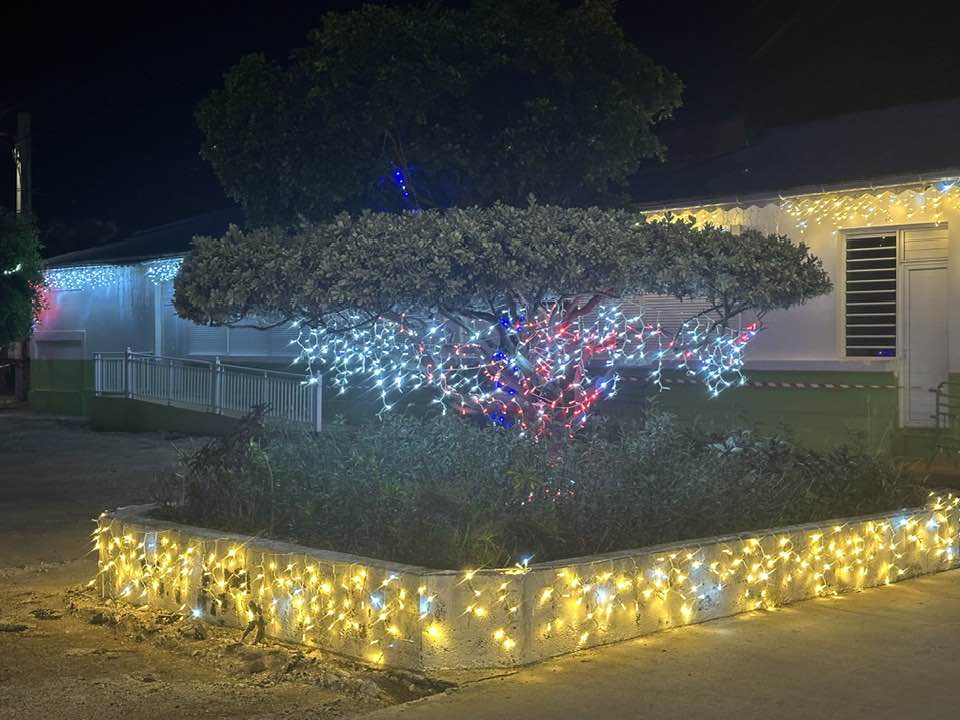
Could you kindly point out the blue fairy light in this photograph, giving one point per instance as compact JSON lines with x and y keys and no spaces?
{"x":545,"y":377}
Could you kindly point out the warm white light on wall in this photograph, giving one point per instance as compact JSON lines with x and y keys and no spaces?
{"x":429,"y":619}
{"x":864,"y":207}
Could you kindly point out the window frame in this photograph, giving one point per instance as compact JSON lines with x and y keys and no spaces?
{"x":860,"y":234}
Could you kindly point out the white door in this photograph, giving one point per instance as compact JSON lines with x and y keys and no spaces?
{"x":925,"y":341}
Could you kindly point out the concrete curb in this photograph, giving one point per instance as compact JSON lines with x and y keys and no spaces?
{"x":429,"y":620}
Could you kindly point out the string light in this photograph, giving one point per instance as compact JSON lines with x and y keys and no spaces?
{"x":876,"y":208}
{"x":542,"y":375}
{"x":89,"y":277}
{"x":84,"y":277}
{"x":422,"y":619}
{"x":917,"y":202}
{"x":13,"y":270}
{"x":163,"y":270}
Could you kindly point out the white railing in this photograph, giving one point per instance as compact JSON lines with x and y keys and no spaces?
{"x":213,"y":387}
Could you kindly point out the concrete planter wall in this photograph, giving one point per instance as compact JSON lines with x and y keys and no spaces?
{"x":422,"y":619}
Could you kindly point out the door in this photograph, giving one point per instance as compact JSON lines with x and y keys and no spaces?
{"x":925,"y":349}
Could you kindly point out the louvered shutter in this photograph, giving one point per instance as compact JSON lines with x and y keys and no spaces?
{"x":870,"y":297}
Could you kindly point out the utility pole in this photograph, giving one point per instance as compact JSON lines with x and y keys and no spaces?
{"x":23,"y":165}
{"x":23,"y":162}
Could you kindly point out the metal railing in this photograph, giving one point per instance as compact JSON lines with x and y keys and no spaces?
{"x":213,"y":387}
{"x":947,"y":416}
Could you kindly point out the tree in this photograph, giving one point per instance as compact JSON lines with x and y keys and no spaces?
{"x":423,"y":107}
{"x":509,"y":312}
{"x":21,"y":276}
{"x":62,"y":237}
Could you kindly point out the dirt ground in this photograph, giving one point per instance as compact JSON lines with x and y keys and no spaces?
{"x":65,"y":653}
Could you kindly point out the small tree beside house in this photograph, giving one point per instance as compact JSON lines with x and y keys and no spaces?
{"x":21,"y":280}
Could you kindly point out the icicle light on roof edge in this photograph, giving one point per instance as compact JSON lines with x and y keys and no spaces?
{"x":864,"y":207}
{"x":85,"y":277}
{"x":162,"y":271}
{"x":88,"y":277}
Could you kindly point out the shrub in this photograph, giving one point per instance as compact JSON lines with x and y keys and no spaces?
{"x":442,"y":493}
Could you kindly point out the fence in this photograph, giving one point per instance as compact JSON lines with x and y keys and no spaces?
{"x":947,"y":416}
{"x":213,"y":387}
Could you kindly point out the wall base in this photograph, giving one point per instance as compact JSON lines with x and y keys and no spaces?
{"x":426,"y":620}
{"x":123,"y":415}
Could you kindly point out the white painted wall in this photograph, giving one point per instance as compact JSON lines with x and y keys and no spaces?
{"x":106,"y":318}
{"x":111,"y":318}
{"x":125,"y":314}
{"x":808,"y":337}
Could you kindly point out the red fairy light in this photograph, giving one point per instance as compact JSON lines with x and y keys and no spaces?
{"x":536,"y":375}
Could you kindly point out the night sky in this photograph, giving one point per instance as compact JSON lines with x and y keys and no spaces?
{"x":112,"y":89}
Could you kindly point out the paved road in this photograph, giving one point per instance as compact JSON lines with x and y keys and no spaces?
{"x":891,"y":652}
{"x":55,"y":476}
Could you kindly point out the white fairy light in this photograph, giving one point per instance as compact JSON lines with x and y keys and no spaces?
{"x":542,"y":375}
{"x":83,"y":277}
{"x":163,"y":270}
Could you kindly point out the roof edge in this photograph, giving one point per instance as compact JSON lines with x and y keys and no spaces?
{"x":769,"y":197}
{"x":53,"y":263}
{"x":113,"y":253}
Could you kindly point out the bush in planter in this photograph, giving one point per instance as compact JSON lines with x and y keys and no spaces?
{"x":440,"y":493}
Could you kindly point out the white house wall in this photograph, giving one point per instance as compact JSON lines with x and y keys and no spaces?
{"x":105,"y":318}
{"x":808,"y":337}
{"x":134,"y":312}
{"x":111,"y":317}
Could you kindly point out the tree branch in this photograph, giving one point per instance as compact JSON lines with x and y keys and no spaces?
{"x":582,"y":310}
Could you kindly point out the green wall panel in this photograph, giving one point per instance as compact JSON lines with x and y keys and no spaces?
{"x":120,"y":414}
{"x":60,"y":386}
{"x":815,"y":417}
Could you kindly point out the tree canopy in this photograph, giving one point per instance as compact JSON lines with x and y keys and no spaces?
{"x":504,"y":311}
{"x":479,"y":262}
{"x":21,"y":276}
{"x":422,"y":107}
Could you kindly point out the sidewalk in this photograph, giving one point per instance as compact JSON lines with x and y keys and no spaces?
{"x":891,"y":652}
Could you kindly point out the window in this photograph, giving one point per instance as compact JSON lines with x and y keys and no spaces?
{"x":237,"y":342}
{"x":668,"y":311}
{"x":870,"y":301}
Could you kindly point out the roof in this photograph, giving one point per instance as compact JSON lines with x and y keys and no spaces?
{"x":907,"y":142}
{"x":167,"y":240}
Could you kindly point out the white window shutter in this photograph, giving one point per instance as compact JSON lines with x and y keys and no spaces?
{"x":668,"y":311}
{"x":206,"y":340}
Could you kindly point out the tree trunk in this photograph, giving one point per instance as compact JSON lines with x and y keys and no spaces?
{"x":21,"y":372}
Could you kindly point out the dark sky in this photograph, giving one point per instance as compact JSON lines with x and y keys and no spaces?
{"x":112,"y":88}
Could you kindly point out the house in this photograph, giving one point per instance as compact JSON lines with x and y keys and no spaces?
{"x":106,"y":300}
{"x":874,"y":194}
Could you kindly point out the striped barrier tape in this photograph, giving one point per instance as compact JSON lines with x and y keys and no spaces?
{"x":774,"y":384}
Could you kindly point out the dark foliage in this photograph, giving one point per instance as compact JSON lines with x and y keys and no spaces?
{"x":440,"y":493}
{"x":392,"y":108}
{"x":21,"y":276}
